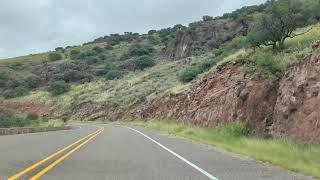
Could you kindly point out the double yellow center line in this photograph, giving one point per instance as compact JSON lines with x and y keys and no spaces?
{"x":78,"y":144}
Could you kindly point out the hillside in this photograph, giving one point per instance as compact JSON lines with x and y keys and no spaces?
{"x":214,"y":71}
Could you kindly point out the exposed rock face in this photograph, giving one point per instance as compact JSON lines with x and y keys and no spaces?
{"x":297,"y":111}
{"x":225,"y":96}
{"x":204,"y":36}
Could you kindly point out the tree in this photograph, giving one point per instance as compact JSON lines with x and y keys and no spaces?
{"x":207,"y":18}
{"x":59,"y":49}
{"x":152,"y":32}
{"x":280,"y":21}
{"x":54,"y":56}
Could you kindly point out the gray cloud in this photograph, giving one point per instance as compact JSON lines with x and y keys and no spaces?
{"x":30,"y":26}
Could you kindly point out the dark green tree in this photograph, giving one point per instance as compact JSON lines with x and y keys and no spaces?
{"x":207,"y":18}
{"x":280,"y":20}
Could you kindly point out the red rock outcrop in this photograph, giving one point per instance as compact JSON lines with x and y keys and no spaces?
{"x":297,"y":111}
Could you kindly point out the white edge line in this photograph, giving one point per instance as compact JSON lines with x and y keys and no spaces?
{"x":177,"y":155}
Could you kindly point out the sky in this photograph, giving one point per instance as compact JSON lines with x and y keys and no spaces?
{"x":32,"y":26}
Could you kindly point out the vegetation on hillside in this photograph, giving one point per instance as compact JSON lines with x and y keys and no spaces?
{"x":9,"y":119}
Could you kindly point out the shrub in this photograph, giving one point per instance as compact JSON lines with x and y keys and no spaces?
{"x":54,"y":56}
{"x":74,"y":54}
{"x":58,"y":87}
{"x":191,"y":72}
{"x":9,"y":119}
{"x":188,"y":74}
{"x":234,"y":129}
{"x":91,"y":59}
{"x":108,"y":47}
{"x":33,"y":82}
{"x":33,"y":116}
{"x":102,"y":57}
{"x":97,"y":49}
{"x":73,"y":75}
{"x":140,"y":50}
{"x":113,"y":74}
{"x":266,"y":64}
{"x":143,"y":62}
{"x":15,"y":92}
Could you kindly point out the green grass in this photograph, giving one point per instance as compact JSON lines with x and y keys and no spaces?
{"x":290,"y":155}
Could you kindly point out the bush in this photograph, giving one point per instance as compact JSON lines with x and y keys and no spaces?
{"x":91,"y":59}
{"x":188,"y":74}
{"x":33,"y":82}
{"x":140,"y":50}
{"x":9,"y":119}
{"x":191,"y":72}
{"x":102,"y":57}
{"x":73,"y":75}
{"x":108,"y":47}
{"x":15,"y":92}
{"x":58,"y":87}
{"x":54,"y":56}
{"x":97,"y":49}
{"x":74,"y":54}
{"x":266,"y":63}
{"x":143,"y":62}
{"x":33,"y":116}
{"x":234,"y":129}
{"x":113,"y":74}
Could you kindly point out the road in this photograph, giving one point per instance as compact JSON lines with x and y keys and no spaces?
{"x":119,"y":152}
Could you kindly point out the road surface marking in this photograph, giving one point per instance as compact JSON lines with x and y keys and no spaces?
{"x":56,"y":162}
{"x":177,"y":155}
{"x":39,"y":163}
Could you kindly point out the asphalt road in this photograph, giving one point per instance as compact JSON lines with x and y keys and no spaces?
{"x":118,"y":152}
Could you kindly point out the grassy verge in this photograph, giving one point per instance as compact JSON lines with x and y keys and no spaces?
{"x":293,"y":156}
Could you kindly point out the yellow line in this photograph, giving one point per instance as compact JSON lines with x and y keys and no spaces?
{"x":56,"y":162}
{"x":23,"y":172}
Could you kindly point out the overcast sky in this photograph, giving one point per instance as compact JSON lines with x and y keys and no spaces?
{"x":30,"y":26}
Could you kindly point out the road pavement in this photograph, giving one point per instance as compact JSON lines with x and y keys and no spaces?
{"x":118,"y":152}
